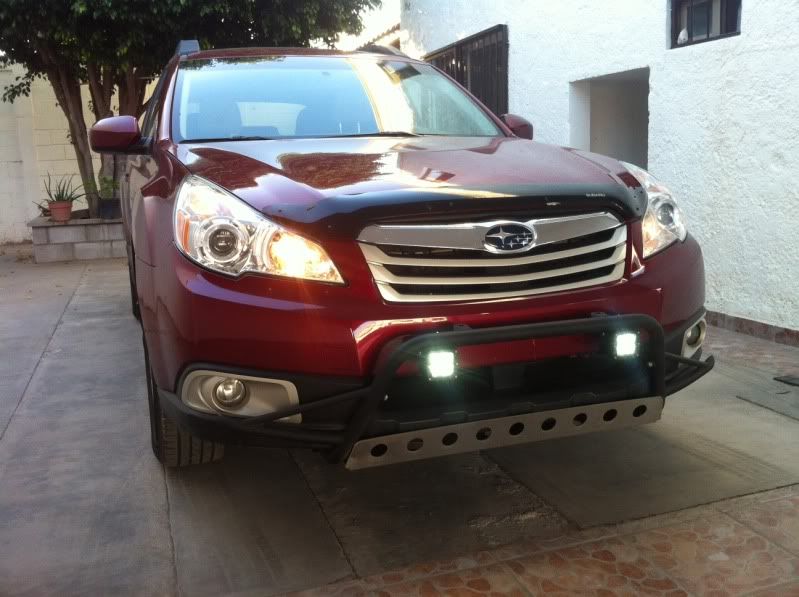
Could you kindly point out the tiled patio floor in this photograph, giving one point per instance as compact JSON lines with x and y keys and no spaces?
{"x":744,"y":546}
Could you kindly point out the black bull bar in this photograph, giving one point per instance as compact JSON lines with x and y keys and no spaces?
{"x":339,"y":443}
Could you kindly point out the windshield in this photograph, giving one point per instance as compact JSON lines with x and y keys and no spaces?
{"x":311,"y":96}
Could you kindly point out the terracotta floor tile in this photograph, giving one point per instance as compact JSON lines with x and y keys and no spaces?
{"x":435,"y":568}
{"x":348,"y":588}
{"x":777,"y":520}
{"x":665,"y":520}
{"x":789,"y":590}
{"x":733,"y":348}
{"x":495,"y":580}
{"x":602,"y":568}
{"x":717,"y":555}
{"x":537,"y":545}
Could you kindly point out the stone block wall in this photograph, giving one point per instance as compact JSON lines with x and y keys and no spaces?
{"x":76,"y":240}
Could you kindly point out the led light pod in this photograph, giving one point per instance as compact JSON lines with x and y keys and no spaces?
{"x":626,"y":344}
{"x":440,"y":363}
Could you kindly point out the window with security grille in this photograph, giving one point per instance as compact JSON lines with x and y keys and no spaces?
{"x":694,"y":21}
{"x":479,"y":63}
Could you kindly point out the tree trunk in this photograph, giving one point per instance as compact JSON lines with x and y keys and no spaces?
{"x":101,"y":87}
{"x":66,"y":87}
{"x":80,"y":141}
{"x":132,"y":88}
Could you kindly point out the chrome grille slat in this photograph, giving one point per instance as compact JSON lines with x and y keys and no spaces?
{"x":381,"y":274}
{"x":373,"y":254}
{"x":596,"y":260}
{"x":471,"y":235}
{"x":388,"y":292}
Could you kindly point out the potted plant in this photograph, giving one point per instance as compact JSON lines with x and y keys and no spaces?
{"x":61,"y":197}
{"x":109,"y":207}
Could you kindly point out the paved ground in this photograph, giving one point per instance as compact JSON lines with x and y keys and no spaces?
{"x":86,"y":509}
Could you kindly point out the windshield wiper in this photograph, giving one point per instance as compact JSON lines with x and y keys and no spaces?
{"x":234,"y":138}
{"x":378,"y":134}
{"x":259,"y":138}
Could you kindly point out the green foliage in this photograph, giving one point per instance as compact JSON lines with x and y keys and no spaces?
{"x":108,"y":187}
{"x":63,"y":190}
{"x":21,"y":86}
{"x":23,"y":26}
{"x":121,"y":35}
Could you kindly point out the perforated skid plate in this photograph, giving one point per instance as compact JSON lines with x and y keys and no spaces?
{"x":507,"y":431}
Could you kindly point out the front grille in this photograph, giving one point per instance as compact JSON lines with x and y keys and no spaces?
{"x":499,"y":287}
{"x":439,"y":253}
{"x":499,"y":270}
{"x":411,"y":273}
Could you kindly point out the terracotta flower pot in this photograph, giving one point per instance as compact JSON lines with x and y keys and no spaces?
{"x":60,"y":211}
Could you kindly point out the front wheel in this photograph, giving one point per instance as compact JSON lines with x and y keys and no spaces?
{"x":173,"y":446}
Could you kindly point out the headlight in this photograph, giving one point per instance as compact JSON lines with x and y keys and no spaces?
{"x":219,"y":231}
{"x":663,"y":222}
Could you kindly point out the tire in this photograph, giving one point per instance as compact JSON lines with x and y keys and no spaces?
{"x":173,"y":446}
{"x":134,"y":295}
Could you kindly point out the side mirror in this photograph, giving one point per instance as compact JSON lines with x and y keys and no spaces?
{"x":117,"y":134}
{"x":518,"y":126}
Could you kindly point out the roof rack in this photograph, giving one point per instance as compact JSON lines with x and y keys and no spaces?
{"x":378,"y":49}
{"x":187,"y":46}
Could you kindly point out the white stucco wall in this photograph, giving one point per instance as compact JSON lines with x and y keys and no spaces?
{"x":618,"y":121}
{"x":723,"y":125}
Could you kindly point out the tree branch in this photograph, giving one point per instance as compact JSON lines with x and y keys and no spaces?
{"x":100,"y":106}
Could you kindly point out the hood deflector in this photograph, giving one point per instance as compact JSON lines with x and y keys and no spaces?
{"x":335,"y":187}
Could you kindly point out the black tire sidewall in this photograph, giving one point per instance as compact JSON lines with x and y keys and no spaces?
{"x":154,"y":406}
{"x":134,"y":295}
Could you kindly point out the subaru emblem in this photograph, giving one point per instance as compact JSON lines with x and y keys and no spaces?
{"x":509,"y":238}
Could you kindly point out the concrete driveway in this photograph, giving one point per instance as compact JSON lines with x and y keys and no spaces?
{"x":86,"y":509}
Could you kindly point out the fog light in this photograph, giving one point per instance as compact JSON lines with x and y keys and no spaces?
{"x":693,"y":338}
{"x":626,"y":344}
{"x":441,"y":363}
{"x":694,"y":335}
{"x":230,"y":393}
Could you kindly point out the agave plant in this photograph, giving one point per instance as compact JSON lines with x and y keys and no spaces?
{"x":63,"y":190}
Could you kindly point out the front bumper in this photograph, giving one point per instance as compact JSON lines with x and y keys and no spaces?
{"x":351,"y":438}
{"x":262,"y":323}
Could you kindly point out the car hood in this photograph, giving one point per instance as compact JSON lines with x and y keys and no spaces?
{"x":337,"y":184}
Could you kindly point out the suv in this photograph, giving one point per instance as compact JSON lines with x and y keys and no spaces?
{"x":348,"y":252}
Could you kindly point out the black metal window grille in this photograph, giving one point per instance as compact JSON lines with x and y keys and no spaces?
{"x":696,"y":21}
{"x":479,"y":63}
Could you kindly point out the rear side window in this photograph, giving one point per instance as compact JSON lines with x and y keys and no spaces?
{"x":308,"y":96}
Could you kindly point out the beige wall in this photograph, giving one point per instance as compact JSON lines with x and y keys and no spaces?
{"x":34,"y":141}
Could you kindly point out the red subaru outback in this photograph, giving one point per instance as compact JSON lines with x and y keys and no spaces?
{"x":348,"y":252}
